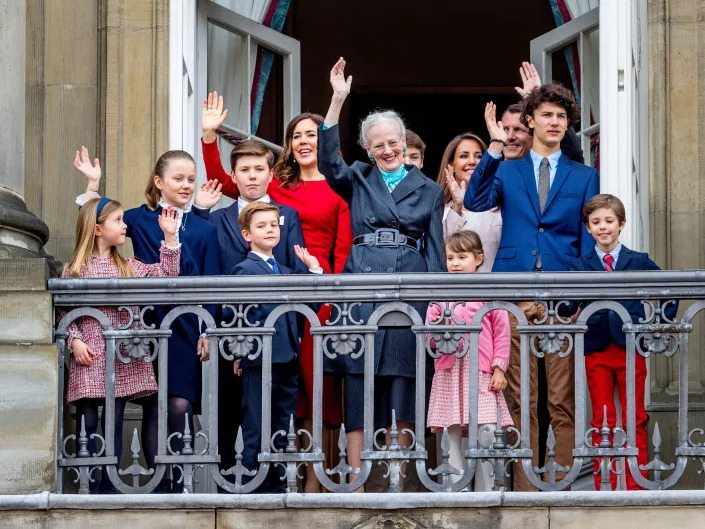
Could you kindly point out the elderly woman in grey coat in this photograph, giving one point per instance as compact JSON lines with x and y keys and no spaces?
{"x":392,"y":207}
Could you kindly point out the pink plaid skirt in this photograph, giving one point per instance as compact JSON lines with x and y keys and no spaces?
{"x":449,"y":398}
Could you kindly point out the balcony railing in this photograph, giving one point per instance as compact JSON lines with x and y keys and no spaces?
{"x":392,"y":295}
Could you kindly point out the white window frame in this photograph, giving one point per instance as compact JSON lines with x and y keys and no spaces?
{"x":188,"y":70}
{"x":624,"y":111}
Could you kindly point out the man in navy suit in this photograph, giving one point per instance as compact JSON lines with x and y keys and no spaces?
{"x":605,"y":341}
{"x":251,"y":162}
{"x":261,"y":228}
{"x":541,"y":196}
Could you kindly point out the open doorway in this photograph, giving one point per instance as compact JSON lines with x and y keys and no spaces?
{"x":436,"y":63}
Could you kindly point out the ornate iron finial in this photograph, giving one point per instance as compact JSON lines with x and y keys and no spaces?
{"x":238,"y":470}
{"x":656,"y":464}
{"x":342,"y":468}
{"x":445,"y":469}
{"x":551,"y":467}
{"x":135,"y":469}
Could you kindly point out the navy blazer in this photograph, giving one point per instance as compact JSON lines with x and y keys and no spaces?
{"x":558,"y":233}
{"x":200,"y":256}
{"x":234,"y":248}
{"x":285,"y":341}
{"x":605,"y":326}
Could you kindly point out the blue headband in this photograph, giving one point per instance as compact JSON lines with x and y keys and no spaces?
{"x":101,"y":205}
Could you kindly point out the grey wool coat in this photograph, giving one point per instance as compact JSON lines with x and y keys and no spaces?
{"x":415,"y":208}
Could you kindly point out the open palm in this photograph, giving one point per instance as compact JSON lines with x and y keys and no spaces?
{"x":213,"y":115}
{"x":82,"y":163}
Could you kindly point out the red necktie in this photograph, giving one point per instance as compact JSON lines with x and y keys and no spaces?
{"x":609,"y":262}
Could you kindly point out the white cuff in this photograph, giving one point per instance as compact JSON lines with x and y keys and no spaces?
{"x":85,"y":197}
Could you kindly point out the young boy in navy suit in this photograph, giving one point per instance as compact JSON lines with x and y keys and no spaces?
{"x":260,"y":228}
{"x":605,"y":356}
{"x":251,"y":162}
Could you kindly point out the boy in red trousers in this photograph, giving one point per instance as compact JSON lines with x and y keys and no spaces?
{"x":605,"y":356}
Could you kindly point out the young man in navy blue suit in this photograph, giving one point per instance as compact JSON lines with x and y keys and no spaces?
{"x":261,"y":228}
{"x":605,"y":357}
{"x":251,"y":162}
{"x":541,"y":197}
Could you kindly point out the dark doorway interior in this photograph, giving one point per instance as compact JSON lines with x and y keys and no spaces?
{"x":437,"y":63}
{"x":437,"y":118}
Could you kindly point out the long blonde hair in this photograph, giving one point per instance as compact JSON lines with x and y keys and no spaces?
{"x":85,"y":238}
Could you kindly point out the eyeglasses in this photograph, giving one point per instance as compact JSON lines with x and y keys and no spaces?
{"x":381,"y":147}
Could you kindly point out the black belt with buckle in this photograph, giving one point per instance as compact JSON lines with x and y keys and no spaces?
{"x":386,"y":237}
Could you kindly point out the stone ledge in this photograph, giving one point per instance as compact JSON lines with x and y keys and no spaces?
{"x":370,"y":501}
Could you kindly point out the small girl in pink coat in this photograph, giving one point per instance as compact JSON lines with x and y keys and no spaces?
{"x":448,"y":406}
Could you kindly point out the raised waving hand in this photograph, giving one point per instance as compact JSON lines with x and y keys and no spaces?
{"x":82,"y":163}
{"x":168,"y":222}
{"x":209,"y":194}
{"x":341,"y":89}
{"x":495,"y":129}
{"x":309,"y":260}
{"x":529,"y":77}
{"x":212,"y":116}
{"x":457,"y":191}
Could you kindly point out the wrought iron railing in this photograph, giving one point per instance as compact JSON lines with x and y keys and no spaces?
{"x":346,"y":334}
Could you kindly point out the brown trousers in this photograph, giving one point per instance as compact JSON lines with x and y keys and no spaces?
{"x":561,"y":398}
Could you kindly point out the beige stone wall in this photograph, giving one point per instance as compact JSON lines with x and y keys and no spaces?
{"x":136,"y":70}
{"x":62,"y":96}
{"x":677,"y":205}
{"x":28,"y":379}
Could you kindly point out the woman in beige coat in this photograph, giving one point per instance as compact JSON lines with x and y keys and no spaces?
{"x":460,"y":158}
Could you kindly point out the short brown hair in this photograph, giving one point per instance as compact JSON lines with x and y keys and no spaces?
{"x":514,"y":108}
{"x":465,"y":241}
{"x":249,"y":211}
{"x":604,"y":201}
{"x":414,"y":140}
{"x":152,"y":193}
{"x":554,"y":93}
{"x":251,"y":148}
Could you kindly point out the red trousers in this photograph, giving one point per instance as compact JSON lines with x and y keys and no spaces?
{"x":604,"y":369}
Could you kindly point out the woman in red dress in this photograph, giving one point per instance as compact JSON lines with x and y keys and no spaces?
{"x":325,"y":220}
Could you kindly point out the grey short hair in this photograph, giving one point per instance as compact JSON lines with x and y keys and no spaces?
{"x":376,"y":118}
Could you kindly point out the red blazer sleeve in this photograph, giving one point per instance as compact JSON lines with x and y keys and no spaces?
{"x":343,"y":237}
{"x":215,"y":171}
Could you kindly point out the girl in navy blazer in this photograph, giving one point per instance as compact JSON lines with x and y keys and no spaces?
{"x":172,"y":183}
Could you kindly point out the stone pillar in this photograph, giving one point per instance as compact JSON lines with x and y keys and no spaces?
{"x":136,"y":97}
{"x":21,"y":233}
{"x":28,"y":368}
{"x":677,"y":109}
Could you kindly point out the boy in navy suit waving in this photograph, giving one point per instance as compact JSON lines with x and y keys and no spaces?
{"x":251,"y":163}
{"x":261,"y":229}
{"x":604,"y":217}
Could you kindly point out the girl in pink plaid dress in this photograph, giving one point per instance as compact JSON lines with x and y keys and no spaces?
{"x":100,"y":231}
{"x":448,"y":405}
